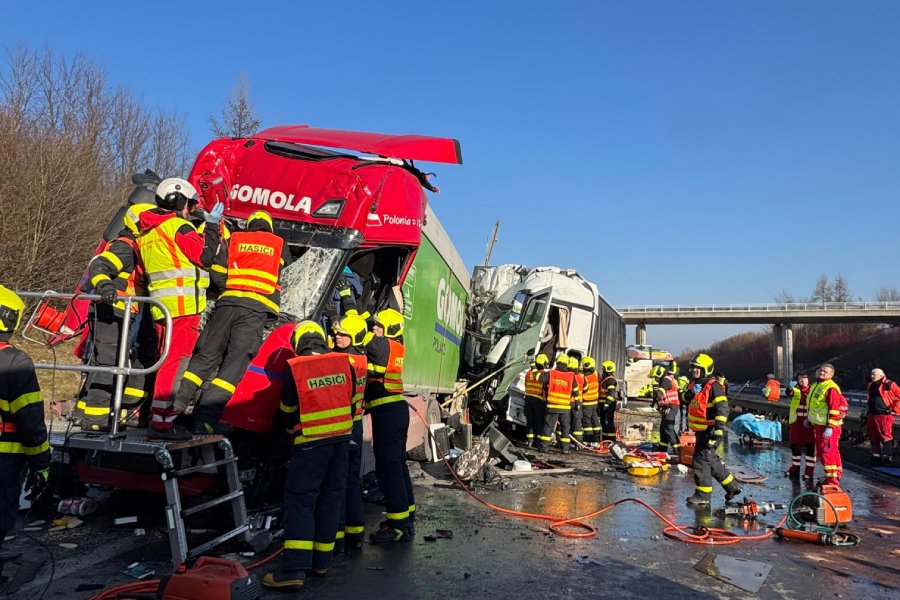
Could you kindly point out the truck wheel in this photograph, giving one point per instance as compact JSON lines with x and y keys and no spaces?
{"x":432,"y":414}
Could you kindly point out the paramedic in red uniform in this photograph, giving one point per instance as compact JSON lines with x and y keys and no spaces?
{"x":827,"y":407}
{"x":883,"y":402}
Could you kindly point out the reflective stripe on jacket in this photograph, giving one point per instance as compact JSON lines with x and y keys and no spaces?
{"x":670,"y":397}
{"x":799,"y":409}
{"x":697,"y":415}
{"x":172,"y":278}
{"x":534,"y":387}
{"x":23,"y":430}
{"x":324,"y":395}
{"x":360,"y":364}
{"x":389,"y":375}
{"x":591,"y":394}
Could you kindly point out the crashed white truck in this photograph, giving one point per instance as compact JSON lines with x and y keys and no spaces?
{"x":517,"y":312}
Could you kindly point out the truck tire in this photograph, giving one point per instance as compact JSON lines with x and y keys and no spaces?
{"x":422,"y":452}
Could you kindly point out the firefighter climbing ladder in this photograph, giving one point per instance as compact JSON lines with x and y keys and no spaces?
{"x":201,"y":449}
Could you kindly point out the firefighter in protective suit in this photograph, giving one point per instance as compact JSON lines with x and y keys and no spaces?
{"x":175,"y":257}
{"x":607,"y":402}
{"x":577,"y":416}
{"x":255,"y":259}
{"x":351,"y":335}
{"x":535,"y":398}
{"x":707,"y":418}
{"x":590,"y":399}
{"x":560,"y":383}
{"x":665,"y":395}
{"x":114,"y":273}
{"x":316,"y":399}
{"x":23,"y":434}
{"x":390,"y":421}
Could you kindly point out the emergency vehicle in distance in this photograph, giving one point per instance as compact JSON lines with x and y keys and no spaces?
{"x":640,"y":360}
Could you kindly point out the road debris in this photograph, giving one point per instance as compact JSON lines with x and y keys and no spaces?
{"x":748,"y":575}
{"x":138,"y":570}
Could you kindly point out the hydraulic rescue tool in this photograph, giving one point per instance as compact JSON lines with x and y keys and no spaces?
{"x":748,"y":509}
{"x":210,"y":577}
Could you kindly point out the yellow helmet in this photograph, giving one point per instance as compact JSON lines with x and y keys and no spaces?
{"x":657,"y":371}
{"x":703,"y":362}
{"x":573,"y":364}
{"x":542,"y":361}
{"x":562,"y":359}
{"x":354,"y":327}
{"x":608,"y":366}
{"x":588,"y":363}
{"x":391,"y":321}
{"x":133,"y":215}
{"x":305,"y":328}
{"x":11,"y":309}
{"x":261,"y":215}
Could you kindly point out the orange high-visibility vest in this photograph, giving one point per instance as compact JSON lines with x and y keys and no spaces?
{"x":254,"y":258}
{"x":605,"y":396}
{"x":325,"y":394}
{"x":534,"y":387}
{"x":671,"y":395}
{"x":773,"y":390}
{"x":591,"y":393}
{"x":360,"y":365}
{"x":697,"y":419}
{"x":559,"y":389}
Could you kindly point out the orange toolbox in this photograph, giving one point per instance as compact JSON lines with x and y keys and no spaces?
{"x":688,"y":443}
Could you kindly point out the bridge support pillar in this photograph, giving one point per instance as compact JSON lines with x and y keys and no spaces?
{"x":640,"y":334}
{"x":778,"y":352}
{"x":788,"y":349}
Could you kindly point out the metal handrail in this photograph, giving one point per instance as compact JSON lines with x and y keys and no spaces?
{"x":119,"y":370}
{"x":786,"y":306}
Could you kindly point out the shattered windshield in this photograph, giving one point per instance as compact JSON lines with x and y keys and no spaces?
{"x":304,"y":281}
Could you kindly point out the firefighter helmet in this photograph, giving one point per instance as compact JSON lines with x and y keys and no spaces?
{"x":260,"y":215}
{"x":391,"y":321}
{"x":174,"y":193}
{"x":608,"y":366}
{"x":11,"y":309}
{"x":542,"y":361}
{"x":573,"y":364}
{"x":657,"y":372}
{"x":354,"y":327}
{"x":306,"y":328}
{"x":703,"y":362}
{"x":588,"y":363}
{"x":133,"y":216}
{"x":562,"y":359}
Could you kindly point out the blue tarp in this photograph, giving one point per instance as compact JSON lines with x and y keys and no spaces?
{"x":751,"y":424}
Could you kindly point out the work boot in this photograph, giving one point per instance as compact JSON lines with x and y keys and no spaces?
{"x":390,"y":533}
{"x":280,"y":580}
{"x":887,"y":453}
{"x":794,"y":474}
{"x":353,"y":541}
{"x":543,"y":447}
{"x":176,"y":433}
{"x":319,"y":572}
{"x":698,"y":499}
{"x":732,"y":490}
{"x":339,"y":546}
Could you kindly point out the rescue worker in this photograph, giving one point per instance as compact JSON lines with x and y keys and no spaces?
{"x":535,"y":398}
{"x":255,"y":259}
{"x":174,"y":256}
{"x":23,"y":433}
{"x":607,"y":402}
{"x":883,"y":402}
{"x":708,"y":417}
{"x":800,"y":434}
{"x":577,"y":417}
{"x":772,"y":391}
{"x":390,"y":422}
{"x":723,"y":381}
{"x":666,"y":396}
{"x":317,"y":398}
{"x":683,"y":383}
{"x":351,"y":335}
{"x":827,"y":407}
{"x":590,"y":398}
{"x":114,"y":273}
{"x":560,"y":382}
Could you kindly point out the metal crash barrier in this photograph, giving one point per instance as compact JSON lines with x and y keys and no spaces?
{"x":137,"y":441}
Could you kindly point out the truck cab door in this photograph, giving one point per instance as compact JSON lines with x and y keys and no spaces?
{"x":525,"y":337}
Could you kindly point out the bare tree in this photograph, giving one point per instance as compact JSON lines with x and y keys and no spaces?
{"x":72,"y":143}
{"x":840,"y":291}
{"x":784,"y":297}
{"x":823,"y":291}
{"x":886,"y":294}
{"x":239,"y":118}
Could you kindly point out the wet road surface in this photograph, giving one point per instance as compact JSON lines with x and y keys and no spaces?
{"x":498,"y":556}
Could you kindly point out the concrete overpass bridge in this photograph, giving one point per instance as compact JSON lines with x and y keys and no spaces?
{"x":782,"y":317}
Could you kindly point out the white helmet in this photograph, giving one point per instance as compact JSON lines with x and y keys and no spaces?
{"x":174,"y":193}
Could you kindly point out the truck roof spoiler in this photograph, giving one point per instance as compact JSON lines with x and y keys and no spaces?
{"x":410,"y":147}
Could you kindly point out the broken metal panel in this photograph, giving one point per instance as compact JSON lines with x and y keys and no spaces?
{"x":749,"y":575}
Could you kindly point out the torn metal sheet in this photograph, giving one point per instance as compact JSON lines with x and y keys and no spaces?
{"x":749,"y":575}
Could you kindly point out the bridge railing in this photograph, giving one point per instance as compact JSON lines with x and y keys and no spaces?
{"x":774,"y":307}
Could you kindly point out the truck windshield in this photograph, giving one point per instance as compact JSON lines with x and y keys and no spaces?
{"x":304,"y":281}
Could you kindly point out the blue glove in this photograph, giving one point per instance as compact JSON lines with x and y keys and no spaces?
{"x":792,"y":384}
{"x":828,"y":432}
{"x":215,"y":215}
{"x":697,"y":388}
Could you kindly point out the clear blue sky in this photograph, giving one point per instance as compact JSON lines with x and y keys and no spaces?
{"x":673,"y":152}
